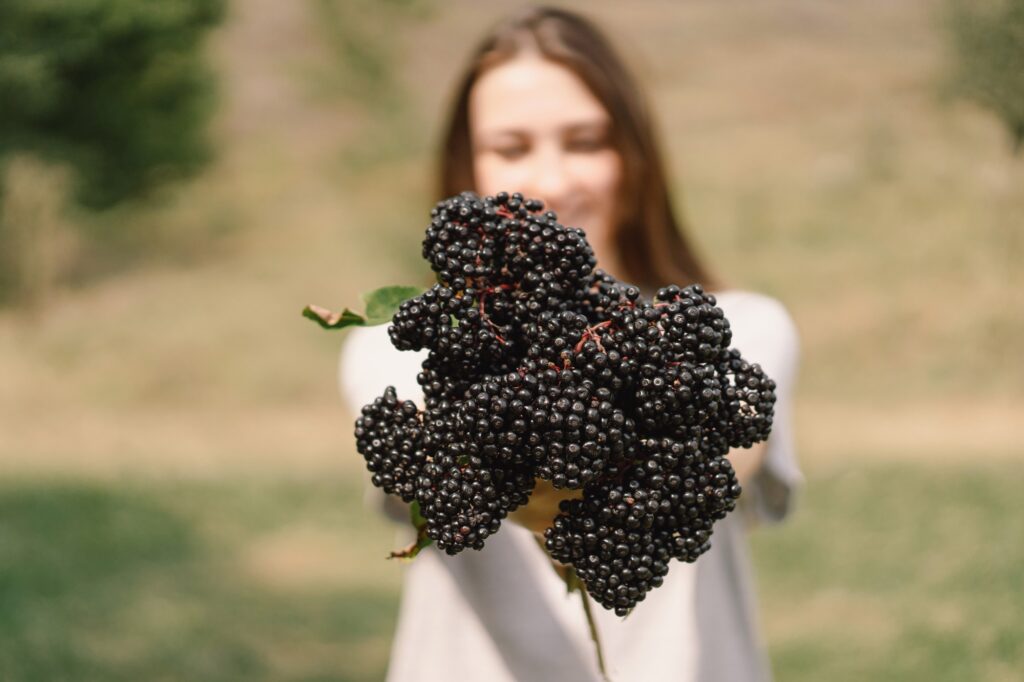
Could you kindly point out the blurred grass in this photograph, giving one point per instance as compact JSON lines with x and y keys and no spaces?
{"x":144,"y":580}
{"x":886,"y":572}
{"x":898,"y":572}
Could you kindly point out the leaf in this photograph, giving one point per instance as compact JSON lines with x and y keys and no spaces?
{"x":573,"y":582}
{"x":414,"y":515}
{"x":422,"y":539}
{"x":410,"y":552}
{"x":331,"y":320}
{"x":382,"y":303}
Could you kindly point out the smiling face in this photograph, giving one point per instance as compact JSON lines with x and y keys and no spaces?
{"x":537,"y":129}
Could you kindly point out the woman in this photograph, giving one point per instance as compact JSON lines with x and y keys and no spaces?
{"x":547,"y":109}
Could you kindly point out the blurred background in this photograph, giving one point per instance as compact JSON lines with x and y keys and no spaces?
{"x":179,"y":493}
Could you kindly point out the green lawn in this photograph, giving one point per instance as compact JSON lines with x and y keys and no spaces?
{"x":148,"y":581}
{"x":899,"y":573}
{"x":885,"y":573}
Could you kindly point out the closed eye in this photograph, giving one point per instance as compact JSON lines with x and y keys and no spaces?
{"x":587,"y":144}
{"x":588,"y":137}
{"x":510,"y":152}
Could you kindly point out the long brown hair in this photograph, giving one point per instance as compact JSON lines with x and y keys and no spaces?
{"x":650,"y":238}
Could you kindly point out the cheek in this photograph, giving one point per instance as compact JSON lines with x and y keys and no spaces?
{"x":599,"y":175}
{"x":598,"y":179}
{"x":607,"y":173}
{"x":493,"y":175}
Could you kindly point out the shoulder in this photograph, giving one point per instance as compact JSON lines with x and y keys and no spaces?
{"x":762,"y":328}
{"x":369,"y":363}
{"x":363,"y":351}
{"x":754,"y":307}
{"x":362,"y":342}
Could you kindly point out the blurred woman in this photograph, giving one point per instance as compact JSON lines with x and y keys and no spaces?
{"x":548,"y":109}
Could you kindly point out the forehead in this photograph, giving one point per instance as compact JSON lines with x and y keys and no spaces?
{"x":531,"y":93}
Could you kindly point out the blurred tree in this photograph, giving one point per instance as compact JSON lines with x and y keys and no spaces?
{"x":988,"y":42}
{"x":116,"y":90}
{"x":36,"y":241}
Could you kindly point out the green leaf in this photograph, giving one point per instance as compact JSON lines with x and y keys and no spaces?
{"x":382,"y":303}
{"x":331,"y":320}
{"x":422,"y":539}
{"x":414,"y":515}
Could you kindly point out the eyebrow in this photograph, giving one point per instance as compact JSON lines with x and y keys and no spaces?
{"x":600,"y":124}
{"x":575,"y":127}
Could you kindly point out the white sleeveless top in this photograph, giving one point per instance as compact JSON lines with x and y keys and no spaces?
{"x":502,"y":614}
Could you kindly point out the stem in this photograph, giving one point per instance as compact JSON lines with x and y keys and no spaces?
{"x":574,"y":584}
{"x":414,"y":547}
{"x":422,"y":539}
{"x":591,"y":623}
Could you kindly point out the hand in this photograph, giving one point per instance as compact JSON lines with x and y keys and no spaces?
{"x":541,"y":510}
{"x":746,"y":462}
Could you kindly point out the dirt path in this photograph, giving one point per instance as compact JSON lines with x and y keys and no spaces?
{"x":308,"y":440}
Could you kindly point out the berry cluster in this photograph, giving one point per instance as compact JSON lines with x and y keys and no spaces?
{"x":540,"y":366}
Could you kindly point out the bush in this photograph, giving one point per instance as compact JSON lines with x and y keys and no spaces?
{"x":116,"y":88}
{"x":988,"y":41}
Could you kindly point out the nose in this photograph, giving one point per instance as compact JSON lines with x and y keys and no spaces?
{"x":549,"y":178}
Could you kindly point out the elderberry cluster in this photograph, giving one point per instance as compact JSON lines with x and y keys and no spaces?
{"x":541,"y":367}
